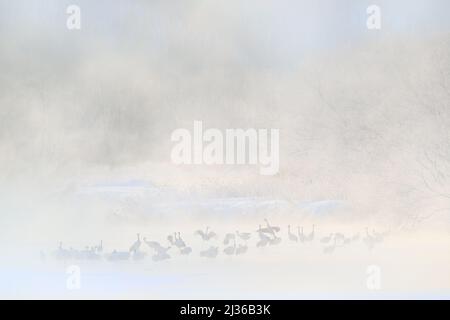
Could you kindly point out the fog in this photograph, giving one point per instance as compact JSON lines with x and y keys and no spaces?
{"x":86,"y":118}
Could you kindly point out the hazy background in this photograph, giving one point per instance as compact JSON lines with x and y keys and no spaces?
{"x":363,"y":116}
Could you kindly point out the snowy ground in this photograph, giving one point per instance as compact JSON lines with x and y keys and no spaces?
{"x":411,"y":266}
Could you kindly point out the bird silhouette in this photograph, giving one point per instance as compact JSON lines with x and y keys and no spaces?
{"x":340,"y":237}
{"x":118,"y":255}
{"x":160,"y":256}
{"x":228,"y":238}
{"x":206,"y":235}
{"x":89,"y":253}
{"x":159,"y":249}
{"x":179,"y":242}
{"x":241,"y":249}
{"x":138,"y":255}
{"x":301,"y":236}
{"x":231,"y":249}
{"x":292,"y":236}
{"x":275,"y":240}
{"x":212,"y":252}
{"x":185,"y":250}
{"x":99,"y":248}
{"x":272,"y":229}
{"x":330,"y":249}
{"x":310,"y":237}
{"x":61,"y":253}
{"x":136,"y":245}
{"x":369,"y":240}
{"x":264,"y":230}
{"x":378,"y":237}
{"x":171,"y":240}
{"x":327,"y":239}
{"x":263,"y":239}
{"x":243,"y":235}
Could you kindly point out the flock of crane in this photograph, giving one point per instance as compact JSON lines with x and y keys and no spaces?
{"x":234,"y":244}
